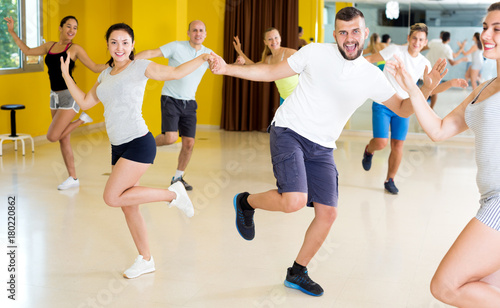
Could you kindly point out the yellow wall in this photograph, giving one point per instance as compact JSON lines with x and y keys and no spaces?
{"x":311,"y":11}
{"x":155,"y":24}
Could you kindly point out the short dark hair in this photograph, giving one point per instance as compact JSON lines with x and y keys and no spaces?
{"x":494,"y":7}
{"x":385,"y":38}
{"x":348,"y":14}
{"x":446,"y":36}
{"x":419,"y":27}
{"x":300,"y":29}
{"x":126,"y":28}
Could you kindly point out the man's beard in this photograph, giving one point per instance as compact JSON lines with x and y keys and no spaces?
{"x":359,"y":53}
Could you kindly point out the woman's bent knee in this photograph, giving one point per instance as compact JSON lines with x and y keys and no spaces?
{"x":442,"y":290}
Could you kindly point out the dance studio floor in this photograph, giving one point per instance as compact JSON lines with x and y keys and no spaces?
{"x":381,"y":252}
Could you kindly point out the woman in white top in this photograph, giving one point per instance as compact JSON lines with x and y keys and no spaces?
{"x":273,"y":53}
{"x":469,"y":274}
{"x":121,"y":90}
{"x":476,"y":52}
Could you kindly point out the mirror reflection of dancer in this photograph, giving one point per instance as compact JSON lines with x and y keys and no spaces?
{"x":335,"y":81}
{"x":62,"y":106}
{"x":121,"y":88}
{"x":476,"y":63}
{"x":273,"y":53}
{"x":469,"y":274}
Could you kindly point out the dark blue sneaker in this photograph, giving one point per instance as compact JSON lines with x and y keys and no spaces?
{"x":181,"y":179}
{"x":303,"y":283}
{"x":391,"y":187}
{"x":244,"y":218}
{"x":367,"y":160}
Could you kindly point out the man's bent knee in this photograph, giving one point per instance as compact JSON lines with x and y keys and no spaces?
{"x":294,"y":202}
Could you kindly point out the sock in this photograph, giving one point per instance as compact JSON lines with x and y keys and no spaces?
{"x":244,"y":202}
{"x":297,"y":268}
{"x":368,"y":153}
{"x":178,"y":174}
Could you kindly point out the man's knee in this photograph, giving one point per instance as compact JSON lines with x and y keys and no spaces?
{"x":294,"y":202}
{"x":379,"y":143}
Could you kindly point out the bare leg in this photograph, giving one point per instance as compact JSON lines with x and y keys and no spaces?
{"x":186,"y":152}
{"x":395,"y":158}
{"x":317,"y":232}
{"x":61,"y":125}
{"x":67,"y":153}
{"x":474,"y":78}
{"x":166,"y":138}
{"x":138,"y":230}
{"x":376,"y":144}
{"x":121,"y":191}
{"x":273,"y":201}
{"x":462,"y":277}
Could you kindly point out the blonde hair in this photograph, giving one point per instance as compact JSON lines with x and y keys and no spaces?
{"x":267,"y":51}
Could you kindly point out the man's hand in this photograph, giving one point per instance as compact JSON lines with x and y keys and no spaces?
{"x":217,"y":65}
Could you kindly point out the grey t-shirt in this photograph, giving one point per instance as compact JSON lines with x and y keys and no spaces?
{"x":122,"y":96}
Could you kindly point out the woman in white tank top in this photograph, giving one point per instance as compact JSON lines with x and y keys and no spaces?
{"x":469,"y":274}
{"x":476,"y":52}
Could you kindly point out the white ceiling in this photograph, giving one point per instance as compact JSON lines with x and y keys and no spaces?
{"x":431,"y":4}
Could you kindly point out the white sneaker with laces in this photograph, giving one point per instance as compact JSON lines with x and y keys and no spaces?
{"x":70,"y":182}
{"x":85,"y":118}
{"x":182,"y":200}
{"x":140,"y":267}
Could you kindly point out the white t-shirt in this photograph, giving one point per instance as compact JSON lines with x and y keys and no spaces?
{"x":414,"y":65}
{"x":122,"y":96}
{"x":179,"y":52}
{"x":330,"y":89}
{"x":438,"y":50}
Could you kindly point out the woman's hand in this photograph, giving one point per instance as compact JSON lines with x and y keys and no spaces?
{"x":10,"y":23}
{"x":237,"y":45}
{"x":65,"y":65}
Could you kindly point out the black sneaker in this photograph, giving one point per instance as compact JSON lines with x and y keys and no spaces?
{"x":181,"y":179}
{"x":391,"y":187}
{"x":367,"y":160}
{"x":244,"y":219}
{"x":303,"y":283}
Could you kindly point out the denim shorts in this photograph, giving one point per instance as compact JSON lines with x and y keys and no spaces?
{"x":489,"y":212}
{"x":63,"y":100}
{"x":141,"y":150}
{"x":178,"y":115}
{"x":300,"y":165}
{"x":383,"y":117}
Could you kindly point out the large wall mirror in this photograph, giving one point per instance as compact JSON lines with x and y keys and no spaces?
{"x":462,"y":18}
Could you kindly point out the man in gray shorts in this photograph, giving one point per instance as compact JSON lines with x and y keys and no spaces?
{"x":334,"y":81}
{"x":178,"y":105}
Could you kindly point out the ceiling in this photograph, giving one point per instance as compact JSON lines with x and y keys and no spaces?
{"x":430,"y":4}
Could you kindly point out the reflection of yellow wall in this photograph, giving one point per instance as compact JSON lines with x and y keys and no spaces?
{"x":310,"y":12}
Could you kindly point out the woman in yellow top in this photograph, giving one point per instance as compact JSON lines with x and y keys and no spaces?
{"x":273,"y":53}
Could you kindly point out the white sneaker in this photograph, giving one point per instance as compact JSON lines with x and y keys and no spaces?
{"x":140,"y":267}
{"x":70,"y":182}
{"x":182,"y":200}
{"x":85,"y":118}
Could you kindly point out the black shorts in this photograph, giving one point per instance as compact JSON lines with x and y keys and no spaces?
{"x":178,"y":115}
{"x":141,"y":150}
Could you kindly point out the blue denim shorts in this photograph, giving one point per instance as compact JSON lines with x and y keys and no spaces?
{"x":383,"y":117}
{"x":300,"y":165}
{"x":141,"y":150}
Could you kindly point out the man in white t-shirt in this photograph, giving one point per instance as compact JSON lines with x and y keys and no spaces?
{"x":440,"y":49}
{"x":178,"y":104}
{"x":334,"y":81}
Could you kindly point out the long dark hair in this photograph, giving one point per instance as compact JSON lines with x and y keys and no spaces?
{"x":65,"y":19}
{"x":478,"y":40}
{"x":116,"y":27}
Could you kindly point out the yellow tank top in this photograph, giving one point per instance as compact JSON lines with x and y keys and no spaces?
{"x":286,"y":85}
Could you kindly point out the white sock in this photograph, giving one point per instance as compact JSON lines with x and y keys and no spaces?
{"x":178,"y":174}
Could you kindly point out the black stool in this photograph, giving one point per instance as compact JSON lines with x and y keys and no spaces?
{"x":13,"y":136}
